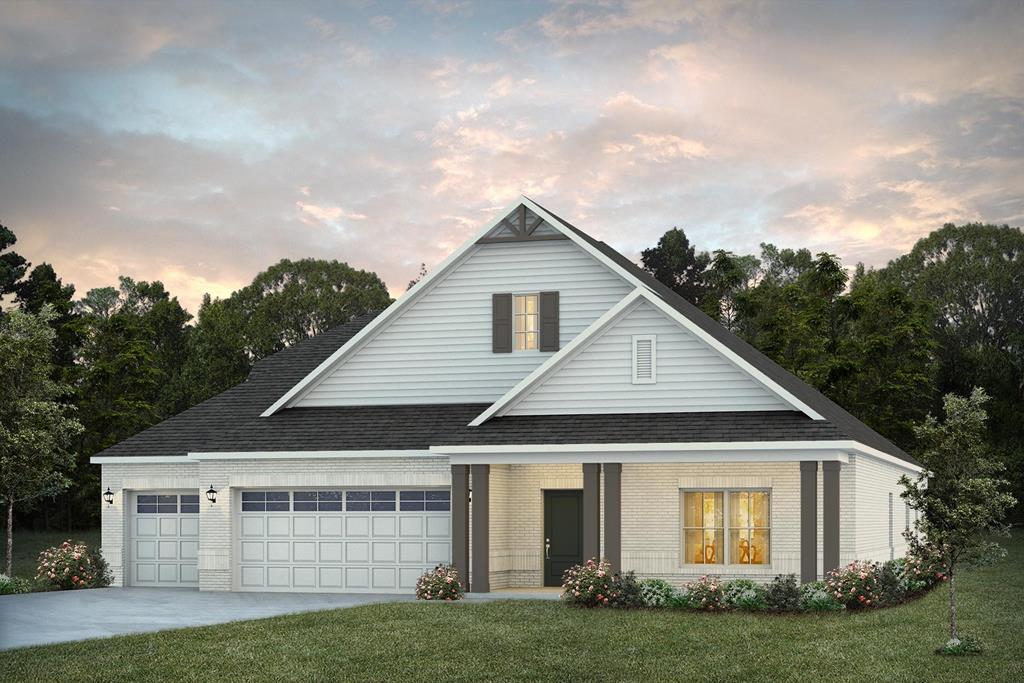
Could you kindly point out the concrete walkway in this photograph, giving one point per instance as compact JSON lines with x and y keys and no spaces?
{"x":62,"y":616}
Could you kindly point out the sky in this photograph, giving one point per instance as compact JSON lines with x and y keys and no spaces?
{"x":197,"y":144}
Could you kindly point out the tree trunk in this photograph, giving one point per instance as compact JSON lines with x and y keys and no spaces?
{"x":10,"y":535}
{"x":954,"y":633}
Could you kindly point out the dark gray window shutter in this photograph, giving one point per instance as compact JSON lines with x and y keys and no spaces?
{"x":549,"y":321}
{"x":501,"y":323}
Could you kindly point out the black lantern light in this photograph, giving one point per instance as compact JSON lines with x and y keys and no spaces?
{"x":108,"y":496}
{"x":211,"y":495}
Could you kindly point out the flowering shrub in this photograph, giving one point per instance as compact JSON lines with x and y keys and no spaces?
{"x":923,"y":567}
{"x":746,"y":595}
{"x":814,"y":597}
{"x":706,"y":593}
{"x":72,"y":565}
{"x":592,"y":584}
{"x":856,"y":585}
{"x":656,"y":592}
{"x":9,"y":585}
{"x":440,"y":583}
{"x":783,"y":594}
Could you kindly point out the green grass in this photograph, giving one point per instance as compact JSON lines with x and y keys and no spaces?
{"x":533,"y":640}
{"x":28,"y":545}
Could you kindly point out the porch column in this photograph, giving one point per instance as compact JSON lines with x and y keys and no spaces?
{"x":460,"y":522}
{"x":613,"y":514}
{"x":591,"y":511}
{"x":830,"y":514}
{"x":808,"y":521}
{"x":480,"y":578}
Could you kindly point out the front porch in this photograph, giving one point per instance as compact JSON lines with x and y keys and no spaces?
{"x":748,"y":517}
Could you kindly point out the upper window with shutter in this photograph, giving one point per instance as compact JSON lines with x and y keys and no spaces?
{"x":645,"y":359}
{"x":525,"y":322}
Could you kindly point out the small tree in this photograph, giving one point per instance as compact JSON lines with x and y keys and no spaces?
{"x":35,"y":428}
{"x":960,"y":496}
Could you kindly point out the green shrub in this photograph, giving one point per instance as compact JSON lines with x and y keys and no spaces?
{"x":891,"y":589}
{"x":857,"y":585}
{"x":965,"y":646}
{"x":591,"y":584}
{"x":440,"y":583}
{"x":783,"y":594}
{"x":814,"y":597}
{"x":656,"y":593}
{"x":705,"y":593}
{"x":11,"y":585}
{"x":630,"y":591}
{"x":72,"y":566}
{"x":746,"y":595}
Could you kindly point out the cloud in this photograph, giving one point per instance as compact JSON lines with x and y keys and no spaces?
{"x":382,"y":23}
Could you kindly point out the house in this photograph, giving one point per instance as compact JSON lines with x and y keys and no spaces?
{"x":534,"y":401}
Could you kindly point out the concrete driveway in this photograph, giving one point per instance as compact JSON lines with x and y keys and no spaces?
{"x":61,"y":616}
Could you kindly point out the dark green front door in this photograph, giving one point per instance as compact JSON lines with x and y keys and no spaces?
{"x":563,"y":533}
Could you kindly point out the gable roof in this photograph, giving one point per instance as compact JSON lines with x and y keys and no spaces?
{"x":828,"y":409}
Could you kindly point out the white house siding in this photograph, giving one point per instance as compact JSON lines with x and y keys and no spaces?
{"x":873,"y":481}
{"x":123,"y":479}
{"x":438,"y":350}
{"x":691,"y":376}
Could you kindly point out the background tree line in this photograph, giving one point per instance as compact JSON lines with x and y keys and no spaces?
{"x":886,"y":344}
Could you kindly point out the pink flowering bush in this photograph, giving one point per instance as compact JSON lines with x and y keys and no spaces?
{"x":857,"y":585}
{"x":592,"y":584}
{"x":923,"y":568}
{"x":706,"y":593}
{"x":72,"y":565}
{"x":440,"y":583}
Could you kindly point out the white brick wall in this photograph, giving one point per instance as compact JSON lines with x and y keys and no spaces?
{"x":873,"y":482}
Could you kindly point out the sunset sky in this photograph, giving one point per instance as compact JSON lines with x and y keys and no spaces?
{"x":199,"y":143}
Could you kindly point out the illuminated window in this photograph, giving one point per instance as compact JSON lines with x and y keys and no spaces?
{"x":711,"y":517}
{"x":526,"y":322}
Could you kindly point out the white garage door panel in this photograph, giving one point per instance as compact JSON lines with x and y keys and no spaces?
{"x":164,"y":538}
{"x":380,"y":541}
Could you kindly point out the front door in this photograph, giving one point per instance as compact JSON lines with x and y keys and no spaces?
{"x":563,"y":533}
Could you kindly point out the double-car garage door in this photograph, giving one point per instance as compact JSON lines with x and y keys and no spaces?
{"x":339,"y":540}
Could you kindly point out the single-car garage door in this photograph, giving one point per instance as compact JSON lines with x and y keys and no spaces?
{"x":163,"y":538}
{"x":376,"y":541}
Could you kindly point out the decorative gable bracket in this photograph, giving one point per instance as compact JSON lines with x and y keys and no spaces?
{"x":522,"y":225}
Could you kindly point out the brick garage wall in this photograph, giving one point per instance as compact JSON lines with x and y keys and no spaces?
{"x":122,"y":480}
{"x":216,"y":548}
{"x":873,"y":483}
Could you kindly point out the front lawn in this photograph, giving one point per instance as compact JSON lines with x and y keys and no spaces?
{"x":28,"y":545}
{"x":533,"y":640}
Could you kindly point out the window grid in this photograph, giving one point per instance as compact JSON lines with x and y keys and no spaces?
{"x":341,"y":501}
{"x":526,"y":322}
{"x":741,"y":515}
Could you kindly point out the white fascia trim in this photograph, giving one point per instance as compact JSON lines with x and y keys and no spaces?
{"x":301,"y":455}
{"x":138,"y":459}
{"x":719,"y":451}
{"x":390,"y":312}
{"x":521,"y":390}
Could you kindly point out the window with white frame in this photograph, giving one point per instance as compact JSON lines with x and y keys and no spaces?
{"x":741,"y":516}
{"x":525,"y":322}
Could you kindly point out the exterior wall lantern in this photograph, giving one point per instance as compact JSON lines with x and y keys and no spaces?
{"x":108,"y":496}
{"x":211,"y":495}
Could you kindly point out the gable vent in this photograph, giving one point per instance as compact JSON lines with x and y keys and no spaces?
{"x":645,"y":359}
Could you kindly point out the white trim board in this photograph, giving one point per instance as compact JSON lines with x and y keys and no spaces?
{"x":137,"y":459}
{"x":717,"y":451}
{"x":300,"y":455}
{"x":542,"y":372}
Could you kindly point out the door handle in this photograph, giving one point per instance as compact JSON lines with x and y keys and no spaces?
{"x":547,"y":548}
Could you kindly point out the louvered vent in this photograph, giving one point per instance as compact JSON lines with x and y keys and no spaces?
{"x":645,"y":359}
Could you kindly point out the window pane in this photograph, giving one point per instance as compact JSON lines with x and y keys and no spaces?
{"x":190,"y":499}
{"x":383,"y":506}
{"x":357,"y":495}
{"x":253,"y":506}
{"x":531,"y":341}
{"x":694,"y":549}
{"x":438,"y":495}
{"x":519,"y":303}
{"x":277,"y":495}
{"x":359,"y":506}
{"x":382,"y":495}
{"x":531,"y":303}
{"x":739,"y":546}
{"x":329,"y":495}
{"x":411,"y":506}
{"x":147,"y":499}
{"x":739,"y":509}
{"x":277,"y":506}
{"x":411,"y":495}
{"x":520,"y":323}
{"x":302,"y":505}
{"x":254,"y":495}
{"x":713,"y":513}
{"x":145,"y":509}
{"x":438,"y":505}
{"x":691,"y":509}
{"x":759,"y":550}
{"x":759,"y":509}
{"x":330,"y":506}
{"x":304,"y":496}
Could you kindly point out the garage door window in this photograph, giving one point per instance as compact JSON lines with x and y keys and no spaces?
{"x":323,"y":501}
{"x":365,"y":501}
{"x":190,"y":504}
{"x":265,"y":501}
{"x":418,"y":501}
{"x":157,"y":504}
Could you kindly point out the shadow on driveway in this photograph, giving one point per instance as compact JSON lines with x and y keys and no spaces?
{"x":61,"y":616}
